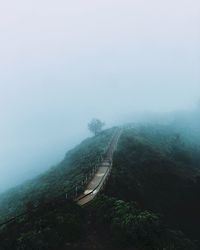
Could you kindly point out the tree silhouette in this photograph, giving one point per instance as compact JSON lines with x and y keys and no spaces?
{"x":95,"y":126}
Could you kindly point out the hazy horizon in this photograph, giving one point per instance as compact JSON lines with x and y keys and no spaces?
{"x":63,"y":63}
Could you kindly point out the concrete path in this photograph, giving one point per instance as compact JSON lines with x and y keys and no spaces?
{"x":100,"y":177}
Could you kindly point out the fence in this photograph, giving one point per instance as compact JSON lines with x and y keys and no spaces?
{"x":78,"y":188}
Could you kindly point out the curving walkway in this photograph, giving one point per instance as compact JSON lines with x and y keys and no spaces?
{"x":102,"y":174}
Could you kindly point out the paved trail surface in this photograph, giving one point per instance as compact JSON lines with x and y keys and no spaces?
{"x":102,"y":174}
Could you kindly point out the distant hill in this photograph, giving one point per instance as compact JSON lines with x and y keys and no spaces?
{"x":151,"y":200}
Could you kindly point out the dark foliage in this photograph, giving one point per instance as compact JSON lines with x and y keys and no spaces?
{"x":132,"y":227}
{"x":51,"y":226}
{"x":155,"y":169}
{"x":57,"y":181}
{"x":155,"y":183}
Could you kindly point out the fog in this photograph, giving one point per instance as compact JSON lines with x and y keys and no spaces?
{"x":64,"y":62}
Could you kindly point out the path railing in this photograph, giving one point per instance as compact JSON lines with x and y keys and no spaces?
{"x":79,"y":187}
{"x":108,"y":159}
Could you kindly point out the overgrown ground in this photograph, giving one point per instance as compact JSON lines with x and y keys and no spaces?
{"x":56,"y":182}
{"x":151,"y":201}
{"x":157,"y":169}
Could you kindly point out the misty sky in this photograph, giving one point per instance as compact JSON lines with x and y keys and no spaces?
{"x":64,"y":62}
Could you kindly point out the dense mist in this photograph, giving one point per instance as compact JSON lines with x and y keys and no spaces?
{"x":63,"y":63}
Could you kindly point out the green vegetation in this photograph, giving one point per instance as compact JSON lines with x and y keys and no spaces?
{"x":156,"y":169}
{"x":58,"y":180}
{"x":50,"y":226}
{"x":130,"y":226}
{"x":151,"y":201}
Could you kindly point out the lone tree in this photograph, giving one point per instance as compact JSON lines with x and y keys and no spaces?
{"x":95,"y":126}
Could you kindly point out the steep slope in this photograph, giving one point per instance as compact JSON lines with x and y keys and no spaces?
{"x":151,"y":196}
{"x":156,"y":169}
{"x":58,"y":180}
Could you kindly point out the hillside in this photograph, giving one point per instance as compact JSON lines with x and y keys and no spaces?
{"x":56,"y":182}
{"x":151,"y":200}
{"x":158,"y":170}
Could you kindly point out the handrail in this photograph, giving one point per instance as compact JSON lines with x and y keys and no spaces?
{"x":103,"y":178}
{"x":82,"y":197}
{"x":12,"y":219}
{"x":108,"y":170}
{"x":71,"y":191}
